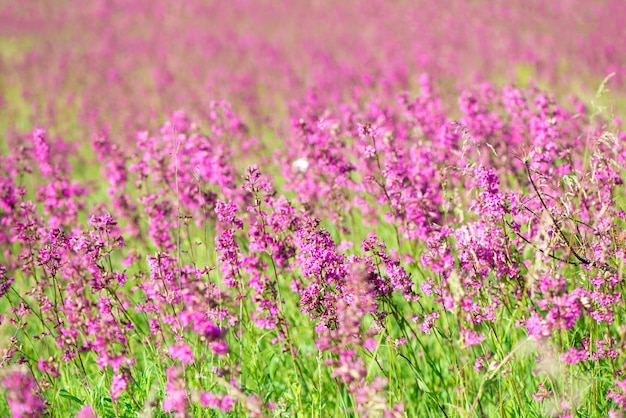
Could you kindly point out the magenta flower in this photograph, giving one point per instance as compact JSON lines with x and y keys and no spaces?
{"x":86,"y":412}
{"x":181,"y":352}
{"x":176,"y":395}
{"x":22,"y":395}
{"x":118,"y":386}
{"x":5,"y":282}
{"x":470,"y":337}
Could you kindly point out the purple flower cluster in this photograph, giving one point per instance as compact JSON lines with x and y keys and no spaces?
{"x":362,"y":222}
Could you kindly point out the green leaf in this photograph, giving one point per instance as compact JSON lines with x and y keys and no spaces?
{"x":422,"y":385}
{"x":65,"y":394}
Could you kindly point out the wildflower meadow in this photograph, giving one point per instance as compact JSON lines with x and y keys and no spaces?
{"x":255,"y":208}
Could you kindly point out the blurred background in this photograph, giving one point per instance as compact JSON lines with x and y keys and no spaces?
{"x":121,"y":64}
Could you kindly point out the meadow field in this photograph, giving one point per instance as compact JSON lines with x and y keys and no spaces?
{"x":256,"y":208}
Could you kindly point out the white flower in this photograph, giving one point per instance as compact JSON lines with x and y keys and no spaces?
{"x":300,"y":165}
